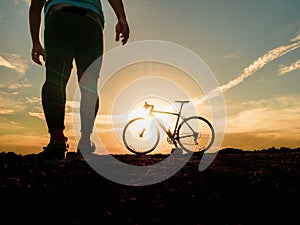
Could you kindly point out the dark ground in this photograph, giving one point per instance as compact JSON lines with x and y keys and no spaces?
{"x":238,"y":188}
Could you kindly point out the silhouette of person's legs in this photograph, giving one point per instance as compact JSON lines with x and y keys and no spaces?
{"x":70,"y":36}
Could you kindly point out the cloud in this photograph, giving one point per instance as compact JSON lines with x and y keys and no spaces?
{"x":14,"y":62}
{"x":33,"y":100}
{"x":10,"y":106}
{"x":297,"y":38}
{"x":17,"y":86}
{"x":6,"y":111}
{"x":260,"y":63}
{"x":253,"y":67}
{"x":231,"y":55}
{"x":37,"y":115}
{"x":274,"y":116}
{"x":290,"y":68}
{"x":5,"y":63}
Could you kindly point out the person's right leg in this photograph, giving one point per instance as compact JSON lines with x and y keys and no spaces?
{"x":59,"y":58}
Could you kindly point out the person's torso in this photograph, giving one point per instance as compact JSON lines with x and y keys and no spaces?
{"x":93,"y":5}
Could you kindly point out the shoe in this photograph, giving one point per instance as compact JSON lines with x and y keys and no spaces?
{"x":55,"y":150}
{"x":86,"y":148}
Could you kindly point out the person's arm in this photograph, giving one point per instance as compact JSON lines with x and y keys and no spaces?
{"x":35,"y":11}
{"x":122,"y":28}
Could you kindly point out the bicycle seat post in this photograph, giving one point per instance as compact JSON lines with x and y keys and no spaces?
{"x":181,"y":105}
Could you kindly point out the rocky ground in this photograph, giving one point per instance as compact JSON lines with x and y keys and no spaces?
{"x":236,"y":189}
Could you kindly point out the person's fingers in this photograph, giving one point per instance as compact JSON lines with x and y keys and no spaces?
{"x":43,"y":54}
{"x":125,"y":38}
{"x":35,"y":58}
{"x":35,"y":55}
{"x":122,"y":32}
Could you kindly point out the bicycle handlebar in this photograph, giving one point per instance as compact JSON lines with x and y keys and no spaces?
{"x":146,"y":106}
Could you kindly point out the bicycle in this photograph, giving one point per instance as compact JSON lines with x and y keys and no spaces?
{"x":193,"y":134}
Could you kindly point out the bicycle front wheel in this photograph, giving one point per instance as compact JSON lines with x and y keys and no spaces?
{"x":195,"y":134}
{"x":141,"y":136}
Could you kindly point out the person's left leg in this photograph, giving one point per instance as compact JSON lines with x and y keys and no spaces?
{"x":88,"y":59}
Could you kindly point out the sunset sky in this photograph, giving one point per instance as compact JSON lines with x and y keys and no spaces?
{"x":252,"y":47}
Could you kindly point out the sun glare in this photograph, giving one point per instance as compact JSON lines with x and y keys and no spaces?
{"x":124,"y":95}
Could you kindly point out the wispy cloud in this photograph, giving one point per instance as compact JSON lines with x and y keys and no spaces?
{"x":17,"y":86}
{"x":290,"y":68}
{"x":253,"y":67}
{"x":297,"y":38}
{"x":37,"y":115}
{"x":13,"y":85}
{"x":260,"y":63}
{"x":5,"y":63}
{"x":6,"y":111}
{"x":14,"y":62}
{"x":33,"y":100}
{"x":231,"y":55}
{"x":10,"y":106}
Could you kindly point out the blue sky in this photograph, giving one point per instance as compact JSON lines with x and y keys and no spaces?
{"x":251,"y":47}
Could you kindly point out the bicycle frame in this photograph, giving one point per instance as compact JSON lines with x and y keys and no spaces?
{"x":171,"y":135}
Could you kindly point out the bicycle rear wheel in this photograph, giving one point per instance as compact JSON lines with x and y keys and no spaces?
{"x":141,"y":136}
{"x":195,"y":134}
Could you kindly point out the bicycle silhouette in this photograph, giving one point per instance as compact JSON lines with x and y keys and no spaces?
{"x":141,"y":135}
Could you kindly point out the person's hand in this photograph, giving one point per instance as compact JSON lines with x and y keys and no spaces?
{"x":36,"y":52}
{"x":122,"y":31}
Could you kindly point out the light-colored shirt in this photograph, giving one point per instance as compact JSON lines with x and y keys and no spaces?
{"x":93,"y":5}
